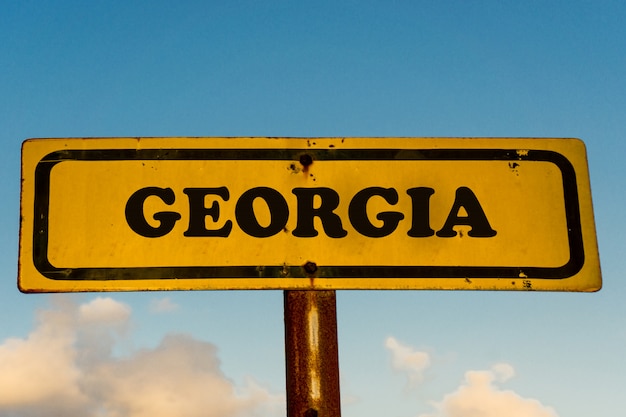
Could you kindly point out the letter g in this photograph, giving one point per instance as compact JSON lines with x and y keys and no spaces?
{"x":135,"y":213}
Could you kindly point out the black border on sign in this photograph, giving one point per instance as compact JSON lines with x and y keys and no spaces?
{"x":42,"y":195}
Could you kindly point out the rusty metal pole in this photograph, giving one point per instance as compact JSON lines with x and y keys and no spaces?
{"x":311,"y":352}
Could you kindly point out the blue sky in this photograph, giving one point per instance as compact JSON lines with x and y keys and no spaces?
{"x":367,"y":68}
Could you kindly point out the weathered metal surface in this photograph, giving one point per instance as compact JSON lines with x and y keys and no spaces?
{"x":312,"y":361}
{"x":127,"y":214}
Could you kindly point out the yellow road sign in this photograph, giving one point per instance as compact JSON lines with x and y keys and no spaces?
{"x":122,"y":214}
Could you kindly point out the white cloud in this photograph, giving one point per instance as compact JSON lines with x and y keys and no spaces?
{"x":502,"y":372}
{"x":408,"y":360}
{"x":180,"y":377}
{"x":479,"y":396}
{"x":65,"y":368}
{"x":41,"y":368}
{"x":104,"y":310}
{"x":163,"y":305}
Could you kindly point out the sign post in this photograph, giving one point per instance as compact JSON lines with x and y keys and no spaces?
{"x":311,"y":354}
{"x":308,"y":216}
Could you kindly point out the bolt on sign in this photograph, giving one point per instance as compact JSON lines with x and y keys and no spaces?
{"x":123,"y":214}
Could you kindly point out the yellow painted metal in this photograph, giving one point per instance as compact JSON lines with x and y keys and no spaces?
{"x":535,"y":194}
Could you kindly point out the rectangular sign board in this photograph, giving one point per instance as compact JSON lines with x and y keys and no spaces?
{"x":125,"y":214}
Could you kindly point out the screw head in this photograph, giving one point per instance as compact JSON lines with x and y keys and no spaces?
{"x":306,"y":160}
{"x":310,"y":267}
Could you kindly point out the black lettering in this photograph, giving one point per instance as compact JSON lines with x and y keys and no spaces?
{"x":331,"y":222}
{"x":357,"y":212}
{"x":135,"y":216}
{"x":420,"y":224}
{"x":198,"y":212}
{"x":244,"y":212}
{"x":475,"y":218}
